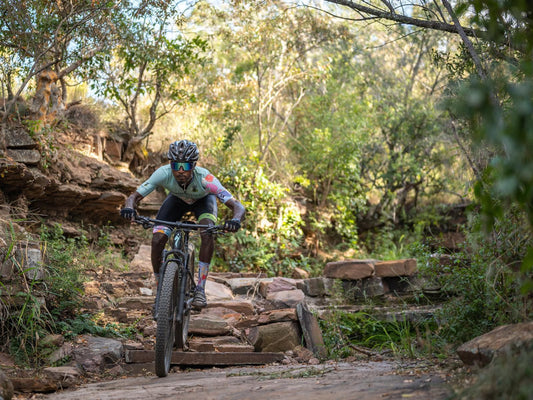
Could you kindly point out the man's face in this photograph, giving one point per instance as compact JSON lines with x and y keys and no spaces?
{"x":182,"y":171}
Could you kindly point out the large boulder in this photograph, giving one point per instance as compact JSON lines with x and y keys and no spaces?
{"x":96,"y":354}
{"x":276,"y":337}
{"x":506,"y":338}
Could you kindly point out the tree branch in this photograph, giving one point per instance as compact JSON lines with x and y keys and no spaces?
{"x":403,"y":19}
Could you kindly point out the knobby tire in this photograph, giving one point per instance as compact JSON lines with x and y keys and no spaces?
{"x":166,"y":317}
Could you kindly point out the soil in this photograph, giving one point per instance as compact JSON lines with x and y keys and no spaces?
{"x":362,"y":380}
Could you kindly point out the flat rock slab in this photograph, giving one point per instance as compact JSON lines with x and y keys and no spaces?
{"x":208,"y":325}
{"x":240,"y":306}
{"x":26,"y":156}
{"x":405,"y":267}
{"x":349,"y":269}
{"x":216,"y":292}
{"x":362,"y":381}
{"x":311,"y":331}
{"x":207,"y":358}
{"x":18,"y":137}
{"x":218,"y":344}
{"x":286,"y":298}
{"x":278,"y":284}
{"x":246,"y":286}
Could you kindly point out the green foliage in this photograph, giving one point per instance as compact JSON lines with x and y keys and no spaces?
{"x":497,"y":106}
{"x":343,"y":330}
{"x":89,"y":324}
{"x":483,"y":281}
{"x":272,"y":236}
{"x":52,"y":305}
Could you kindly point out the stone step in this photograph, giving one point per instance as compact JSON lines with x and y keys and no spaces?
{"x":207,"y":358}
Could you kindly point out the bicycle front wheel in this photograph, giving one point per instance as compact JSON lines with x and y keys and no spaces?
{"x":166,"y":317}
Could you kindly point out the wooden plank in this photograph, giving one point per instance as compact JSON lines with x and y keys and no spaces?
{"x":207,"y":358}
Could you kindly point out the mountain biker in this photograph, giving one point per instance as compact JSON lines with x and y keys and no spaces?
{"x":191,"y":188}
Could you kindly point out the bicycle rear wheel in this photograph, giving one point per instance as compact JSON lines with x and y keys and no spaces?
{"x":186,"y":282}
{"x":166,"y":317}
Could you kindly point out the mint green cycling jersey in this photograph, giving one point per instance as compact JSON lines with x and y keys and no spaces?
{"x":202,"y":184}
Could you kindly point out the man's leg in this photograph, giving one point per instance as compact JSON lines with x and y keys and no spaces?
{"x":207,"y":247}
{"x":206,"y":213}
{"x":159,"y":239}
{"x":171,"y":210}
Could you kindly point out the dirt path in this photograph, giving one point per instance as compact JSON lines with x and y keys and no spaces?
{"x":330,"y":381}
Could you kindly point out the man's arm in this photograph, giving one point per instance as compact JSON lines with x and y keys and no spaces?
{"x":237,"y":208}
{"x":234,"y":224}
{"x":130,"y":205}
{"x":133,"y":200}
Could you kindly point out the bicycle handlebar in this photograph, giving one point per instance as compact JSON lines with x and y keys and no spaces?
{"x":186,"y":226}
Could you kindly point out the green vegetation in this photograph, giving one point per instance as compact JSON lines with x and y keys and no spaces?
{"x":342,"y":140}
{"x":43,"y":307}
{"x":342,"y":331}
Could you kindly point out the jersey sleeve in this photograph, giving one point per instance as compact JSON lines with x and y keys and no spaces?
{"x":155,"y":180}
{"x":214,"y":186}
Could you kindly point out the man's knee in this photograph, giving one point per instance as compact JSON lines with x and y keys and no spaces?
{"x":159,"y":239}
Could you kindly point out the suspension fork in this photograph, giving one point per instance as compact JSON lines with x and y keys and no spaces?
{"x":184,"y":277}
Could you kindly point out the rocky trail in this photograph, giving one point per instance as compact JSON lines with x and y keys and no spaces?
{"x":258,"y":338}
{"x":367,"y":380}
{"x":256,"y":329}
{"x":258,"y":335}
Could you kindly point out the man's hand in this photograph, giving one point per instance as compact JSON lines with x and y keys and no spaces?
{"x":128,"y":213}
{"x":232,"y":225}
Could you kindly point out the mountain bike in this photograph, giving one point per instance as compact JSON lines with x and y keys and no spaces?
{"x":175,"y":289}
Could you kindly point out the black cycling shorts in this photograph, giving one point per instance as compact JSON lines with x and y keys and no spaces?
{"x":173,"y":208}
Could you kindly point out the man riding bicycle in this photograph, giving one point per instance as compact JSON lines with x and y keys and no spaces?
{"x":191,"y":188}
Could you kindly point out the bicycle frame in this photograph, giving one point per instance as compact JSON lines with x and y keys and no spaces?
{"x":179,"y":243}
{"x":174,"y":293}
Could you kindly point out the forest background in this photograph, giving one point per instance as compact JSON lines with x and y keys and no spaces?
{"x":375,"y":117}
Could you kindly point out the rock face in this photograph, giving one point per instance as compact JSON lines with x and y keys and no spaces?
{"x":71,"y":186}
{"x":506,"y":338}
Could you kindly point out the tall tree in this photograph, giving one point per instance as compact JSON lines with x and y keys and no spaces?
{"x":266,"y":57}
{"x":51,"y":39}
{"x":146,"y":74}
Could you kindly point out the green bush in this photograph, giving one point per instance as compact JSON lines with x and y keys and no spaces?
{"x":483,"y":281}
{"x":52,"y":305}
{"x":342,"y":331}
{"x":272,"y":237}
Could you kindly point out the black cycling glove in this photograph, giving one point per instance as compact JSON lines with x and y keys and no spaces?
{"x":232,"y":225}
{"x":128,"y":213}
